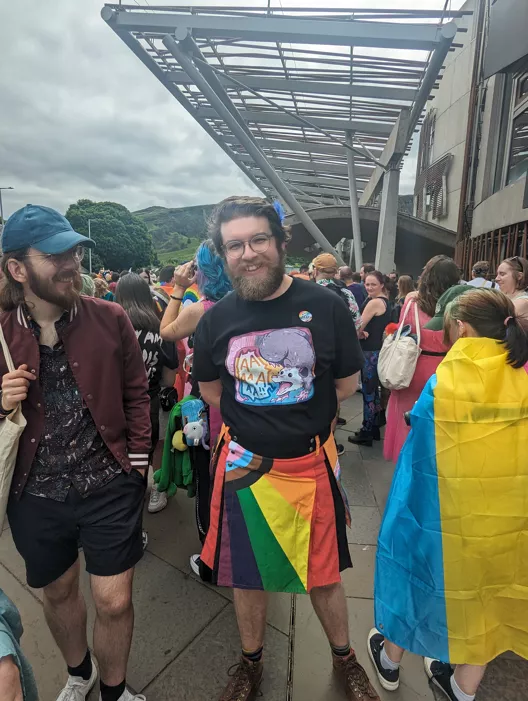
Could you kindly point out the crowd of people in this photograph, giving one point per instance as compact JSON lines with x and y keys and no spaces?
{"x":265,"y":359}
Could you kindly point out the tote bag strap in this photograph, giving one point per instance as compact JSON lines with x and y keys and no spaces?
{"x":5,"y":350}
{"x":416,"y":321}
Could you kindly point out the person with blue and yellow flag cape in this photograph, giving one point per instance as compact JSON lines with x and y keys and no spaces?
{"x":452,"y":562}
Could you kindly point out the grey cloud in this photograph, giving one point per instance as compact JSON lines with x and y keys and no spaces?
{"x":80,"y":116}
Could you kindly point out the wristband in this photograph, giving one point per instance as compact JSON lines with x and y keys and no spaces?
{"x":176,"y":299}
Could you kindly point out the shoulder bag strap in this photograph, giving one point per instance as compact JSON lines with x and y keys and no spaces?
{"x":402,"y":324}
{"x":417,"y":322}
{"x":5,"y":349}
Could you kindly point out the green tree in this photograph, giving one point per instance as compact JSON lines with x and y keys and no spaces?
{"x":122,"y":239}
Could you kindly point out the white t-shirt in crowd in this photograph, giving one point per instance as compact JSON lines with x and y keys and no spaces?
{"x":480,"y":282}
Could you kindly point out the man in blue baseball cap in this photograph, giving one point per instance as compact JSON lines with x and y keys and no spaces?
{"x":83,"y":456}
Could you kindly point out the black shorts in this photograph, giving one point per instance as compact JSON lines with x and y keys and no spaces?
{"x":107,"y":523}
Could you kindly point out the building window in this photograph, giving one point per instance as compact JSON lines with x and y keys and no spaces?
{"x":518,"y":156}
{"x":512,"y":146}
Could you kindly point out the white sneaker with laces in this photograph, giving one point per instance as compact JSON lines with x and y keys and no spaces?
{"x":77,"y":688}
{"x":129,"y":696}
{"x":157,"y":501}
{"x":195,"y":564}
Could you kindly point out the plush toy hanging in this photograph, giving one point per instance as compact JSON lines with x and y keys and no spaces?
{"x":195,"y":424}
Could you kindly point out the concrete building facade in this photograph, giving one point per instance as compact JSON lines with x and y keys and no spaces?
{"x":473,"y":152}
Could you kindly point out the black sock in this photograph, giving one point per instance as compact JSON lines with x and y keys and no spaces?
{"x":254,"y":656}
{"x":112,"y":693}
{"x":84,"y":670}
{"x":341,"y":650}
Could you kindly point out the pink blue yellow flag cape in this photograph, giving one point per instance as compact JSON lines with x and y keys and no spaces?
{"x":452,"y":563}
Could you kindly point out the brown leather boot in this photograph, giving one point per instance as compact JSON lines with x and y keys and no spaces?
{"x":245,"y":681}
{"x":354,"y":679}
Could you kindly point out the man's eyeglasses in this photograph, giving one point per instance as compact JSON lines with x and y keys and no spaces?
{"x":258,"y":244}
{"x":58,"y":259}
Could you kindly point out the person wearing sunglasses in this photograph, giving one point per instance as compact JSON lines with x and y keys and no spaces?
{"x":82,"y":459}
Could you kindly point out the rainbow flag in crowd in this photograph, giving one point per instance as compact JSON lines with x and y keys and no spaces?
{"x":192,"y":294}
{"x":452,"y":562}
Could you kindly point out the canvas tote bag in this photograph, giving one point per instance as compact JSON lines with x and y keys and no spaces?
{"x":399,"y":355}
{"x":10,"y":431}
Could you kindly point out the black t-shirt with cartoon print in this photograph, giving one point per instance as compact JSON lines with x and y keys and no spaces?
{"x":278,"y":361}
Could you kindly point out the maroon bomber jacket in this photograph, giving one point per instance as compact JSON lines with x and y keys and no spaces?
{"x":107,"y":363}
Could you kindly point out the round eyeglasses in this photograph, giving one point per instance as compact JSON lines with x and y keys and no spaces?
{"x":258,"y":244}
{"x":58,"y":259}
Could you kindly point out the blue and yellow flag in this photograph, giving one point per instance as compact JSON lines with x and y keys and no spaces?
{"x":452,"y":562}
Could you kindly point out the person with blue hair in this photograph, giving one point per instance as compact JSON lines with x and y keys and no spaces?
{"x":208,"y":271}
{"x":178,"y":322}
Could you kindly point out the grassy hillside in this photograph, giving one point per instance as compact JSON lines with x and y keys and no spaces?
{"x":171,"y":229}
{"x":177,"y":232}
{"x":181,"y":256}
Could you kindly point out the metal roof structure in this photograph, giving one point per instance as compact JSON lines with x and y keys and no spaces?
{"x":313,"y":104}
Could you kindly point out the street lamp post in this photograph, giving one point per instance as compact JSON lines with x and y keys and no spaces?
{"x":90,"y":250}
{"x":1,"y":204}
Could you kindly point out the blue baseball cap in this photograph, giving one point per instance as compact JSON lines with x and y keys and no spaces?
{"x":42,"y":228}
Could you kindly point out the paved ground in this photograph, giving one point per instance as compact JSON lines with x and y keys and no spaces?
{"x":185,"y":636}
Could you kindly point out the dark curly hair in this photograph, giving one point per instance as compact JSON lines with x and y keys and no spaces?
{"x":439,"y":274}
{"x":241,"y":206}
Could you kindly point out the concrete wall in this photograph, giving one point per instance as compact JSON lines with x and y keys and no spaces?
{"x":501,"y":209}
{"x":451,"y":102}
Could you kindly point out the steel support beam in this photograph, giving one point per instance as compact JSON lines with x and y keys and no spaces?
{"x":354,"y":204}
{"x":185,"y":61}
{"x":447,"y":34}
{"x":393,"y":152}
{"x":313,"y":87}
{"x":390,"y":35}
{"x":388,"y":221}
{"x":109,"y":16}
{"x":311,"y":147}
{"x":309,"y":166}
{"x":279,"y":118}
{"x":317,"y":180}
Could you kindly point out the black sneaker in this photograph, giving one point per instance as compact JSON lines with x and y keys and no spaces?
{"x":440,"y":674}
{"x":388,"y":678}
{"x":340,"y":448}
{"x":341,"y":422}
{"x":361,"y":438}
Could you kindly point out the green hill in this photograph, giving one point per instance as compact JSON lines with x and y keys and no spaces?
{"x":176,"y":232}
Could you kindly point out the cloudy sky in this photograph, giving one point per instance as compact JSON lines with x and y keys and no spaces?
{"x":81,"y":117}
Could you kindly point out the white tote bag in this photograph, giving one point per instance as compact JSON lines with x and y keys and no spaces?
{"x":10,"y":431}
{"x":399,"y":355}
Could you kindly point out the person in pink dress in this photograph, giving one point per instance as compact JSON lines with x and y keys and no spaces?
{"x":439,"y":274}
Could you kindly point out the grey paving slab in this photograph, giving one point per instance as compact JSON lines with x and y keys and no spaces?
{"x":359,"y":580}
{"x":173,"y":535}
{"x":506,"y":679}
{"x":10,"y":558}
{"x":279,"y":607}
{"x":352,"y":408}
{"x":356,"y":481}
{"x":365,"y":525}
{"x":380,"y":473}
{"x":313,"y":679}
{"x":37,"y":642}
{"x":200,"y":673}
{"x":171,"y":609}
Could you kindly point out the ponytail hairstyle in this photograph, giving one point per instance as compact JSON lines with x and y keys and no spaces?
{"x":492,"y":315}
{"x":211,"y":276}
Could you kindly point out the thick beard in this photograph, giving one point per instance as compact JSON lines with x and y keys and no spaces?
{"x":45,"y":289}
{"x":253,"y":290}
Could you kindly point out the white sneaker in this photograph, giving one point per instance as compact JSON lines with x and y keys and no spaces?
{"x":157,"y":501}
{"x":77,"y":688}
{"x":195,"y":564}
{"x":128,"y":696}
